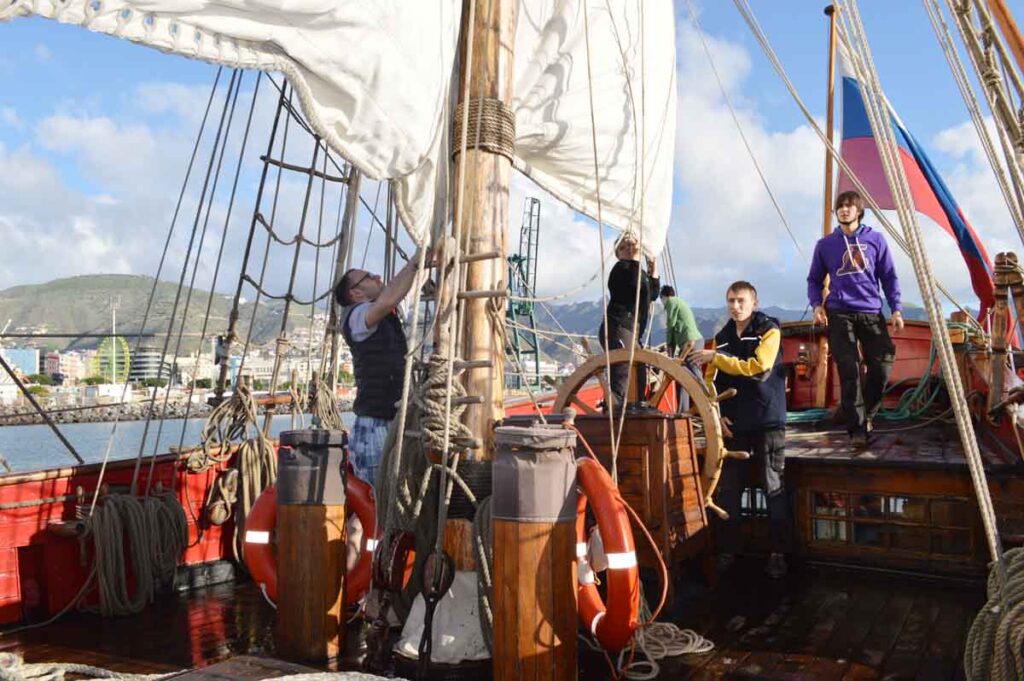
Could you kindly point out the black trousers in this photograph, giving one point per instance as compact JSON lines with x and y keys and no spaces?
{"x":621,"y":336}
{"x":845,"y":331}
{"x":768,"y":462}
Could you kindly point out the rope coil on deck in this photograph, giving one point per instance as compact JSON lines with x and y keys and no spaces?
{"x":993,"y":649}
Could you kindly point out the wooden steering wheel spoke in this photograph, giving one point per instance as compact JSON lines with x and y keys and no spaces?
{"x":672,"y":372}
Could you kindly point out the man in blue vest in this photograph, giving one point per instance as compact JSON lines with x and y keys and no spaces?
{"x":748,"y":357}
{"x":374,"y":333}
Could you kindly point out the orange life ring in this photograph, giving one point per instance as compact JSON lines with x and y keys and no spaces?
{"x":260,"y":556}
{"x":612,"y":624}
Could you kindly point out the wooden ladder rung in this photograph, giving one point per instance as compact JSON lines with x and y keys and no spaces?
{"x":474,"y":364}
{"x":474,"y":295}
{"x":484,"y":255}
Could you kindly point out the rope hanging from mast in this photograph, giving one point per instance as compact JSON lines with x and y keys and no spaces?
{"x":743,"y":6}
{"x":1012,"y":196}
{"x":878,"y":113}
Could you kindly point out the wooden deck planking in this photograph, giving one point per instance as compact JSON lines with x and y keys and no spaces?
{"x":906,"y":654}
{"x":886,"y":630}
{"x":818,"y":623}
{"x":865,"y":605}
{"x":891,"y":444}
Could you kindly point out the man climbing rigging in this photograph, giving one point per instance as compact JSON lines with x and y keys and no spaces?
{"x":857,"y":260}
{"x":374,"y":333}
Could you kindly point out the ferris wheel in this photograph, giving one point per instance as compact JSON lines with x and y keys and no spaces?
{"x":113,"y":359}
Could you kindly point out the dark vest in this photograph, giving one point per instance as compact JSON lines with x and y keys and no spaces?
{"x":760,"y":401}
{"x":378,"y":363}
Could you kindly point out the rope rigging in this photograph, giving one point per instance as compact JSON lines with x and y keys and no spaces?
{"x":877,"y":110}
{"x":220,"y":254}
{"x":220,"y":144}
{"x":1012,"y":196}
{"x":750,"y":19}
{"x":743,"y":136}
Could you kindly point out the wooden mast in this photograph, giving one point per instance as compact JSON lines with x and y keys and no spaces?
{"x":821,"y":371}
{"x":484,"y":223}
{"x":1008,"y":27}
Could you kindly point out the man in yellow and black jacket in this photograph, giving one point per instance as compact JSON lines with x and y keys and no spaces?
{"x":748,"y":357}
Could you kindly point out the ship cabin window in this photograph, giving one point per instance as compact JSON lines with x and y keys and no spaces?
{"x":919,"y":525}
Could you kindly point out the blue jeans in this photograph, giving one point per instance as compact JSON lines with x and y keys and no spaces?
{"x":366,"y":445}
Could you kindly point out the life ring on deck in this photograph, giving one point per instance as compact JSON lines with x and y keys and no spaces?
{"x":260,"y":556}
{"x":613,"y":623}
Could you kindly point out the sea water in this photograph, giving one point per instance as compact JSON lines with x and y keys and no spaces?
{"x":36,"y":447}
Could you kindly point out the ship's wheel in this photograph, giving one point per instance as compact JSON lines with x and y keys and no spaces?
{"x":665,"y":373}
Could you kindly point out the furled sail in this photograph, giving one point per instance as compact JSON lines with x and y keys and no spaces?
{"x":375,"y":80}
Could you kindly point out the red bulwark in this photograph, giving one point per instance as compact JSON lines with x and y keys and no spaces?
{"x":40,"y":571}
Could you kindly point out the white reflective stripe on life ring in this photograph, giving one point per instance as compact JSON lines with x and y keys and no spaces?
{"x":622,"y":561}
{"x":581,"y":549}
{"x":371,"y":544}
{"x":585,"y":574}
{"x":257,"y":537}
{"x":593,"y":624}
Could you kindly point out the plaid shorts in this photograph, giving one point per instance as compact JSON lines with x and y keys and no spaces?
{"x":366,"y":446}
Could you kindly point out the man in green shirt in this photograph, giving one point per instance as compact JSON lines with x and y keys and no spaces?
{"x":681,"y":328}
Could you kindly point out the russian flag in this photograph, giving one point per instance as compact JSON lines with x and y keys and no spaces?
{"x":931,"y":195}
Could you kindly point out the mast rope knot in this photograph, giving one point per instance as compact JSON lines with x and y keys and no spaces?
{"x":492,"y":126}
{"x":431,"y":396}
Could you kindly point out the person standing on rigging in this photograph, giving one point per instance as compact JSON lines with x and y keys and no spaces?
{"x":625,"y":330}
{"x":748,"y":357}
{"x":375,"y":335}
{"x":857,"y":260}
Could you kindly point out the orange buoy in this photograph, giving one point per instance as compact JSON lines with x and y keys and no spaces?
{"x":612,"y":624}
{"x":260,"y":556}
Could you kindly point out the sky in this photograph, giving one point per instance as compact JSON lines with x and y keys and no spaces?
{"x":96,"y":135}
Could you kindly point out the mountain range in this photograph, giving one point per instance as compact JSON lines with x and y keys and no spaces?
{"x":82,"y":305}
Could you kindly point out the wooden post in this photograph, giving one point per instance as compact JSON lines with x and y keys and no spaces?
{"x":311,"y":546}
{"x":484,"y":213}
{"x":341,"y":265}
{"x":1000,"y":327}
{"x":534,"y":514}
{"x":821,"y":369}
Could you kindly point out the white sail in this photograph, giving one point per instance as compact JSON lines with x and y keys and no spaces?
{"x":374,"y":79}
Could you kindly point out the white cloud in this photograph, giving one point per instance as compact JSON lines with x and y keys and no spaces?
{"x":42,"y":53}
{"x":10,"y":118}
{"x":725,"y":227}
{"x":99,"y":191}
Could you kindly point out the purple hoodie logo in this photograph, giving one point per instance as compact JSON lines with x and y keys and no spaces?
{"x":854,"y":261}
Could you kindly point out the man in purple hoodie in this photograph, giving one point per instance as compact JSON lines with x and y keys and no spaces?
{"x":856,"y":259}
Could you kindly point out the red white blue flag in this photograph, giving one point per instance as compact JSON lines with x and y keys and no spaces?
{"x":930,"y":194}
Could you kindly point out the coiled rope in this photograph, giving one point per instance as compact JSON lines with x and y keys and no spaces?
{"x":13,"y":668}
{"x":436,"y":422}
{"x":255,"y":462}
{"x":993,"y":649}
{"x":156,"y":532}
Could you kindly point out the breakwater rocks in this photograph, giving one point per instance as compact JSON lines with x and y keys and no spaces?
{"x":24,"y":415}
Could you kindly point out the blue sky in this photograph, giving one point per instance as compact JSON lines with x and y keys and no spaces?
{"x":72,"y":101}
